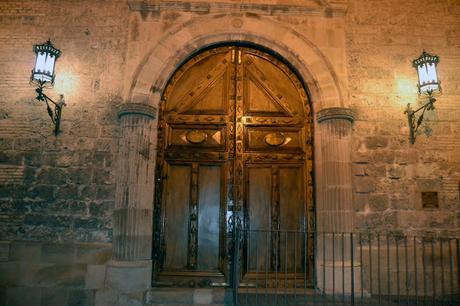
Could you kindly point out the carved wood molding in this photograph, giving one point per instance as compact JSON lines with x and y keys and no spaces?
{"x":328,"y":8}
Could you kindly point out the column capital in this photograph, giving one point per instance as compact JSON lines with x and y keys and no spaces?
{"x":335,"y":113}
{"x":137,"y":109}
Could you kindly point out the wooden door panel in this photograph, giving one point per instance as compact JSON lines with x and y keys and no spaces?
{"x":266,"y":84}
{"x":292,"y":198}
{"x":202,"y":88}
{"x":195,"y":137}
{"x":259,"y":198}
{"x":193,"y":218}
{"x":209,"y":216}
{"x":176,"y":216}
{"x":292,"y":217}
{"x":278,"y":139}
{"x":234,"y":140}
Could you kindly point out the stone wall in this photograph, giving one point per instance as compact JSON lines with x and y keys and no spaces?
{"x":57,"y":194}
{"x":46,"y":273}
{"x":60,"y":188}
{"x":383,"y":37}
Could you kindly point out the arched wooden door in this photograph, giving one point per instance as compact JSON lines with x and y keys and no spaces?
{"x":234,"y":139}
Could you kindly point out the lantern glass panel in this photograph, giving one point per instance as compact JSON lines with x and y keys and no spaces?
{"x":44,"y":67}
{"x":428,"y":79}
{"x":431,"y":68}
{"x":426,"y":66}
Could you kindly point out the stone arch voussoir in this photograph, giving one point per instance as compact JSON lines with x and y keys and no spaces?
{"x":164,"y":58}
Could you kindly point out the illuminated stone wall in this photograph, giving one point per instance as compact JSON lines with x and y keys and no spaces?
{"x":60,"y":188}
{"x":389,"y":172}
{"x":58,"y":194}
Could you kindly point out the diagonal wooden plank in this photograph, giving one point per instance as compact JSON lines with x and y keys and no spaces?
{"x":194,"y":95}
{"x":259,"y":78}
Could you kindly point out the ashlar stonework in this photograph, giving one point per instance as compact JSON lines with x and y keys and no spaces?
{"x":77,"y":210}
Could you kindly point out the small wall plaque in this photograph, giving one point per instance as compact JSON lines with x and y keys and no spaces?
{"x":430,"y":199}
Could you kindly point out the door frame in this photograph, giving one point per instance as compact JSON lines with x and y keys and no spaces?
{"x":157,"y":214}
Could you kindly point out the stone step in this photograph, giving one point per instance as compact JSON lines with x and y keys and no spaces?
{"x":189,"y":296}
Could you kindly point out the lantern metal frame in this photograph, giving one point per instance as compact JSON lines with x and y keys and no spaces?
{"x":45,"y":79}
{"x":433,"y":86}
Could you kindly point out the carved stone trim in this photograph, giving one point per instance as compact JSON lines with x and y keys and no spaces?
{"x":308,"y":7}
{"x":335,"y":113}
{"x":137,"y":109}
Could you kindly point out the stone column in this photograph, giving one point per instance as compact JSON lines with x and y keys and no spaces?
{"x":334,"y":210}
{"x":131,"y":267}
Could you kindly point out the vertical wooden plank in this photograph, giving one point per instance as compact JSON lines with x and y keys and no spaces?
{"x":176,"y":214}
{"x":208,"y":217}
{"x":292,"y":211}
{"x":259,"y":211}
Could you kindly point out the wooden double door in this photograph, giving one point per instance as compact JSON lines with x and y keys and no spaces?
{"x":234,"y":144}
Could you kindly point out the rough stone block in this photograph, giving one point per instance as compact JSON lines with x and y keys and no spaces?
{"x":95,"y":276}
{"x":378,"y":202}
{"x":18,"y":274}
{"x":26,"y":251}
{"x":54,"y":296}
{"x":364,"y":184}
{"x":53,"y":176}
{"x":21,"y":296}
{"x":169,"y":296}
{"x":2,"y":296}
{"x":4,"y":251}
{"x":79,"y":297}
{"x":58,"y":252}
{"x":202,"y":296}
{"x":106,"y":297}
{"x":27,"y":144}
{"x":61,"y":275}
{"x":131,"y":299}
{"x":376,"y":142}
{"x":6,"y":143}
{"x":93,"y":253}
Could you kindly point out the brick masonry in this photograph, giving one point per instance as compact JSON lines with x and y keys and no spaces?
{"x":57,"y":194}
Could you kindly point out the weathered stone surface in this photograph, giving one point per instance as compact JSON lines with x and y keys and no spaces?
{"x":131,"y":299}
{"x":4,"y":251}
{"x":95,"y":277}
{"x":79,"y":297}
{"x":26,"y":251}
{"x":94,"y":254}
{"x":106,"y":297}
{"x":58,"y":253}
{"x":378,"y":202}
{"x":129,"y":276}
{"x":352,"y":54}
{"x":20,"y":296}
{"x":54,"y":296}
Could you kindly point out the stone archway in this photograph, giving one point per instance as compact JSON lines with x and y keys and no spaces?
{"x":135,"y":178}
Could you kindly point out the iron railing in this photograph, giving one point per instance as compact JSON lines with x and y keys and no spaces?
{"x":277,"y":268}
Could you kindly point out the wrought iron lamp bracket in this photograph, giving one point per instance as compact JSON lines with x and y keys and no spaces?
{"x":414,"y":122}
{"x":55,"y":114}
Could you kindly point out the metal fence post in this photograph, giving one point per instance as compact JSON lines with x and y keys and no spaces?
{"x":235,"y":275}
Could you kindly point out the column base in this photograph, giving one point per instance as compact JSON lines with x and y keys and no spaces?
{"x":336,"y":277}
{"x":129,"y":276}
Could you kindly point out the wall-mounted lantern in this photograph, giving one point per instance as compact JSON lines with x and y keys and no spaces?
{"x":43,"y":76}
{"x":428,"y":84}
